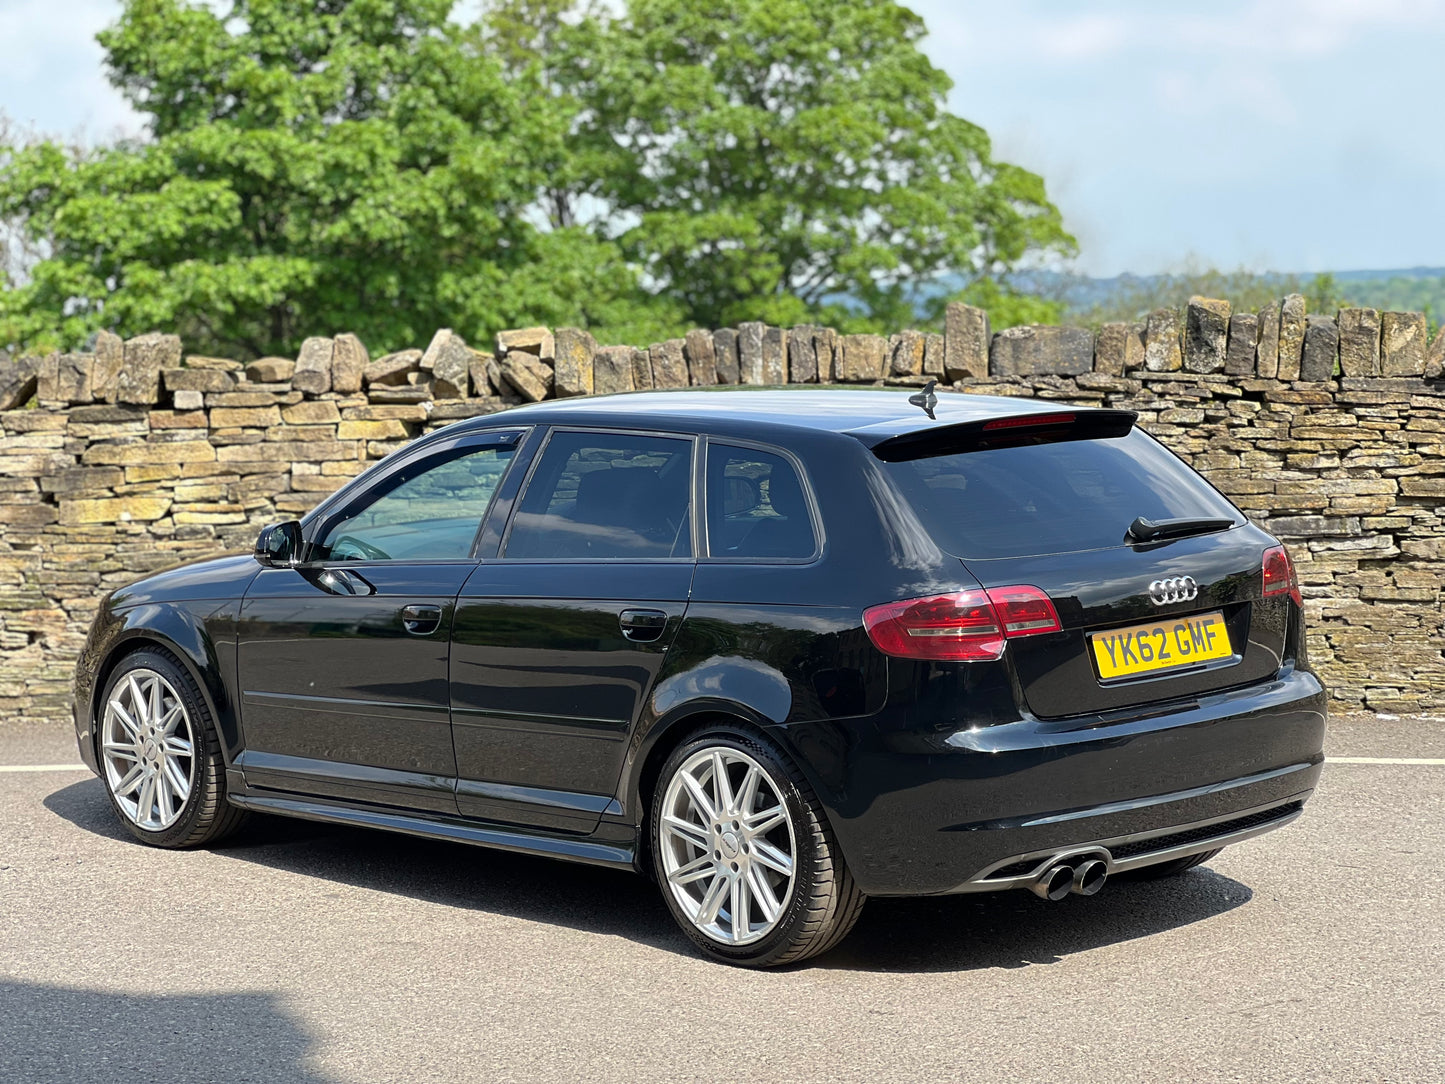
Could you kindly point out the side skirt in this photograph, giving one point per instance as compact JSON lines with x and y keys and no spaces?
{"x":614,"y":855}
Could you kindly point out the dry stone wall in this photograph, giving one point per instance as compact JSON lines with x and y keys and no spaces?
{"x":1330,"y":430}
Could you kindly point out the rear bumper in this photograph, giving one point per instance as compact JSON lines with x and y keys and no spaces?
{"x":938,"y":811}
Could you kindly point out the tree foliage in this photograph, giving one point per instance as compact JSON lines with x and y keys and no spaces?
{"x":312,"y":165}
{"x":316,"y":165}
{"x":775,"y":159}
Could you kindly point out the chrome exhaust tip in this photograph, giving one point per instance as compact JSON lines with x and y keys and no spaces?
{"x":1054,"y":883}
{"x":1089,"y":877}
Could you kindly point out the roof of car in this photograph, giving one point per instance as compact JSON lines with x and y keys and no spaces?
{"x":872,"y":414}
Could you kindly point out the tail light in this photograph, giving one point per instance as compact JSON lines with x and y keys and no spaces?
{"x":967,"y":626}
{"x":1279,"y":577}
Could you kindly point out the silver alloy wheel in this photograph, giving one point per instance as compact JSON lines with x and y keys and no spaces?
{"x":148,"y":749}
{"x":727,"y":846}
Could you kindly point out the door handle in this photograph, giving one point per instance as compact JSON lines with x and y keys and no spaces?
{"x":421,"y":620}
{"x":642,"y":626}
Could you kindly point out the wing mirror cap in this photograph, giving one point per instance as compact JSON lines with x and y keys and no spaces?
{"x":279,"y":545}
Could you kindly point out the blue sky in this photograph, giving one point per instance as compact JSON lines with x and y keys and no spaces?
{"x":1293,"y":135}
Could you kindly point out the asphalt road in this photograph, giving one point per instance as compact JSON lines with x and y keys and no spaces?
{"x":302,"y":952}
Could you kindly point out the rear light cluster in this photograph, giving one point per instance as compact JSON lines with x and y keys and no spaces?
{"x":1279,"y":577}
{"x":966,"y":626}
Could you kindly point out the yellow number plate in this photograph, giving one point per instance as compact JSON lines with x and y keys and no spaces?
{"x":1163,"y":645}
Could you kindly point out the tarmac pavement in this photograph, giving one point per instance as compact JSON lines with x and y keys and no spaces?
{"x":302,"y":952}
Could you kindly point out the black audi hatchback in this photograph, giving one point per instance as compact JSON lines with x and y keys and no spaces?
{"x":781,"y":649}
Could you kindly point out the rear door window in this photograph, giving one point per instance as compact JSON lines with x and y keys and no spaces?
{"x":756,"y":505}
{"x":606,"y":495}
{"x":1052,"y":498}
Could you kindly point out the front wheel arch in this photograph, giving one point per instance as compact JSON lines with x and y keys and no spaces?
{"x":143,"y":638}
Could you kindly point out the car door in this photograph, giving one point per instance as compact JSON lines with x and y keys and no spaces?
{"x":558,"y":638}
{"x":342,"y":659}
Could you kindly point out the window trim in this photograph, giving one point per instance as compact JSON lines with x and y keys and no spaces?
{"x":632,"y":431}
{"x":809,"y":497}
{"x":343,"y":505}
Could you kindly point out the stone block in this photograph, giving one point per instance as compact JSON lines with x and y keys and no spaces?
{"x":479,"y":373}
{"x":537,"y":341}
{"x":1359,"y":342}
{"x":697,"y":351}
{"x":202,"y":380}
{"x":82,"y":480}
{"x":861,"y":359}
{"x":1239,"y":356}
{"x":1110,"y":347}
{"x":223,"y":365}
{"x":572,"y":369}
{"x":392,"y":369}
{"x":448,"y":359}
{"x":905,"y":354}
{"x":725,"y":354}
{"x":641,"y":370}
{"x":311,"y":412}
{"x":1402,"y":343}
{"x":1206,"y":335}
{"x":180,"y":418}
{"x":775,"y":356}
{"x":1292,"y":325}
{"x":270,"y":370}
{"x":966,"y":342}
{"x":388,"y":429}
{"x":529,"y":374}
{"x":15,"y":516}
{"x":669,"y":364}
{"x":1038,"y":349}
{"x":933,"y":352}
{"x":113,"y":510}
{"x":109,"y":358}
{"x":65,"y":379}
{"x":146,"y":356}
{"x":313,"y":366}
{"x":189,"y":402}
{"x":802,"y":356}
{"x":1162,"y":352}
{"x":140,"y":453}
{"x":1321,"y":348}
{"x":349,"y":359}
{"x":750,"y":352}
{"x":1435,"y":356}
{"x":612,"y":370}
{"x":245,"y":417}
{"x":1267,"y":354}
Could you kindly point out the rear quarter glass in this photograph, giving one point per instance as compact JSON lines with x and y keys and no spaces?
{"x":1058,"y":497}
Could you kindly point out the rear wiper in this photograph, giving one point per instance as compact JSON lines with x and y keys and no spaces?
{"x":1155,"y":530}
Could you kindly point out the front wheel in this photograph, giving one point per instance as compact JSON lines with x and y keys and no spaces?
{"x":747,"y":861}
{"x":160,"y":757}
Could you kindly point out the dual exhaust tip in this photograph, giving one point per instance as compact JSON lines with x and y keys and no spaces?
{"x":1083,"y":879}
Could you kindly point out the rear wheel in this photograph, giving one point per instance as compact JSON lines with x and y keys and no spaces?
{"x":159,"y":754}
{"x":747,"y":862}
{"x":1171,"y":868}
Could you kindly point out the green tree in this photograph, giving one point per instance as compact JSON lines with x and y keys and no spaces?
{"x":771,"y":159}
{"x":311,"y":165}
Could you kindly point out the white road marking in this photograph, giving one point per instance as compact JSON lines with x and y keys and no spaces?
{"x":43,"y":768}
{"x":1431,"y":761}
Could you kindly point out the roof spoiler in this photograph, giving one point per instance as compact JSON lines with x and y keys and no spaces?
{"x":1047,"y":427}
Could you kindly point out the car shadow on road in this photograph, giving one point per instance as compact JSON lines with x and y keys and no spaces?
{"x":57,"y":1033}
{"x":942,"y":933}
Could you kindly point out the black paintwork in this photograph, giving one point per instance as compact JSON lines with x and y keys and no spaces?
{"x":537,"y":712}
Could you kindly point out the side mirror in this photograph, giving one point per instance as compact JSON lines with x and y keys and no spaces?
{"x":279,"y":545}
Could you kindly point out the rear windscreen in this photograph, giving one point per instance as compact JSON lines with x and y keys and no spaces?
{"x":1051,"y":498}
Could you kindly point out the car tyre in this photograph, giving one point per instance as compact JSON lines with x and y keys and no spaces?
{"x":1172,"y":868}
{"x":160,"y":755}
{"x":751,"y":871}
